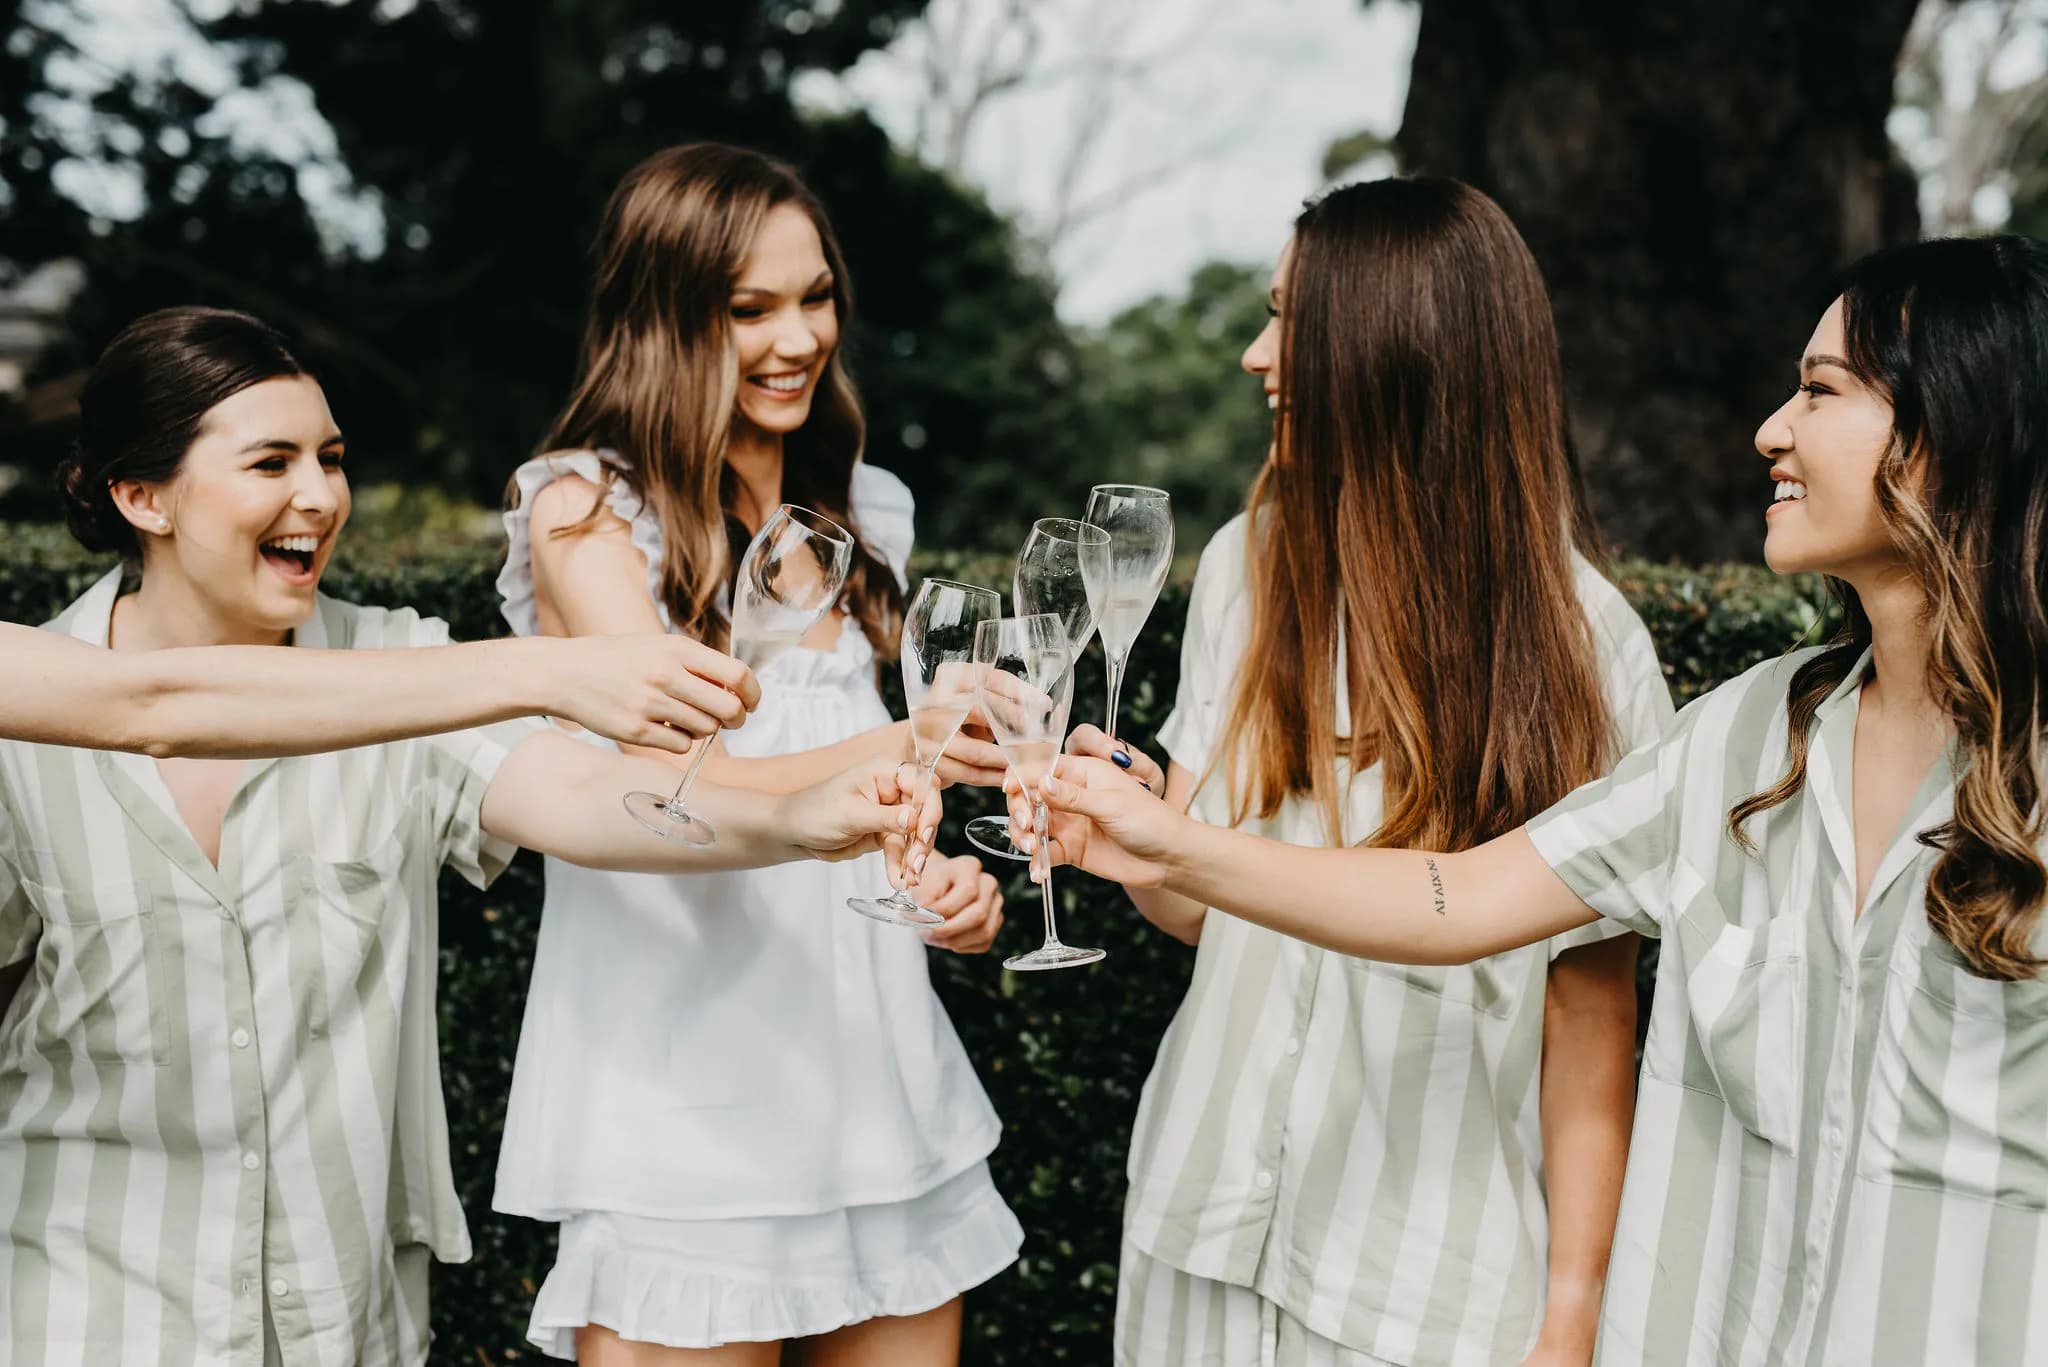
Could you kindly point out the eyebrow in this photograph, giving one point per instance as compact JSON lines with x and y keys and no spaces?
{"x":1807,"y":364}
{"x":824,"y":279}
{"x":333,"y":438}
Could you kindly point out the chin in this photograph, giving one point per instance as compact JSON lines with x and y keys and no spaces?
{"x":779,"y":419}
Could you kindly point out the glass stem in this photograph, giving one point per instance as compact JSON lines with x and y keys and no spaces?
{"x":1040,"y":820}
{"x":690,"y":774}
{"x":1116,"y":687}
{"x":923,"y":785}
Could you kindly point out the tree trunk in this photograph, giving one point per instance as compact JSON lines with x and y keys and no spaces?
{"x":1689,"y":176}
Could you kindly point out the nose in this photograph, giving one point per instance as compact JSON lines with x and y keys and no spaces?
{"x":1264,"y":350}
{"x":1774,"y":438}
{"x":795,"y":342}
{"x":312,"y":491}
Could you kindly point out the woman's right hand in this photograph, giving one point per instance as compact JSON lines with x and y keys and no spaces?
{"x":657,"y":691}
{"x":1105,"y":822}
{"x":1093,"y":741}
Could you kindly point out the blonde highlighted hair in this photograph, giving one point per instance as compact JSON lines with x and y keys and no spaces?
{"x":658,"y":380}
{"x":1954,"y":334}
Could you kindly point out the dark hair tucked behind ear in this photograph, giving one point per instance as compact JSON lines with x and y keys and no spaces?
{"x":1954,"y":334}
{"x":142,"y":405}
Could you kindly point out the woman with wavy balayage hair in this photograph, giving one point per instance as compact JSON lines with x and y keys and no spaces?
{"x":742,"y":1102}
{"x":1839,"y":1147}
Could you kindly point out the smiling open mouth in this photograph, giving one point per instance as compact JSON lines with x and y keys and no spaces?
{"x":292,"y":556}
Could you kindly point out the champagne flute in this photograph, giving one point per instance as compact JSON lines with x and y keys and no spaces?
{"x":789,"y":578}
{"x":1025,"y":690}
{"x":941,"y":651}
{"x":1063,"y":569}
{"x":1139,"y":521}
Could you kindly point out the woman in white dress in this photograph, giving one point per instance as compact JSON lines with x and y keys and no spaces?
{"x":742,"y":1101}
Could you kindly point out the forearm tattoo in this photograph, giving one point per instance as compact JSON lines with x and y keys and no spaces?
{"x":1436,"y":884}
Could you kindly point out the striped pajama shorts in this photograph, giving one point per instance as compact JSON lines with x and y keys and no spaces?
{"x":1169,"y":1318}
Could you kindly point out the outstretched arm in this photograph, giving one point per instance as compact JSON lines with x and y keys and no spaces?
{"x":243,"y":701}
{"x":565,"y":798}
{"x":1399,"y":906}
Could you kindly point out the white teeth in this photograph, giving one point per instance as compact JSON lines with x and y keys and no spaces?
{"x":305,"y":545}
{"x":1273,"y":401}
{"x":1789,"y":489}
{"x":787,"y":384}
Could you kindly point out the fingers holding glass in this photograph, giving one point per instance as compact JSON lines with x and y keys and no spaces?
{"x":789,"y":578}
{"x":942,"y":666}
{"x":1027,"y":687}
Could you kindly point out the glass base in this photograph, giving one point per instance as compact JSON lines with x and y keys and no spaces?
{"x":991,"y":835}
{"x":897,"y":910}
{"x":669,"y":819}
{"x":1054,"y":955}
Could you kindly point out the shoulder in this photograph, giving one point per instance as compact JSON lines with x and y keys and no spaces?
{"x":564,"y":489}
{"x":1615,"y":622}
{"x":1747,"y":710}
{"x":882,"y":504}
{"x":876,"y":488}
{"x":886,"y":515}
{"x":349,"y":626}
{"x":1224,"y":560}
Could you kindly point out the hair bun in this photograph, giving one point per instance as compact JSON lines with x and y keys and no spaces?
{"x":89,"y":509}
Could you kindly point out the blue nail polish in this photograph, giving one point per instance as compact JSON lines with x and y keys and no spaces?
{"x":1120,"y":758}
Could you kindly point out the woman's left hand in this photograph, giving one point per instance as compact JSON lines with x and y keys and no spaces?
{"x":968,"y":897}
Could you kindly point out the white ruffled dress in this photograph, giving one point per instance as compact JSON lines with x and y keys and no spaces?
{"x":741,"y":1100}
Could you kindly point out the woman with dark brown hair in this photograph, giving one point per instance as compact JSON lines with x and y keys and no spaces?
{"x":1840,"y":1150}
{"x":743,"y":1103}
{"x":1336,"y":1161}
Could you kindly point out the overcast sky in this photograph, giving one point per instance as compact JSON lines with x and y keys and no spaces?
{"x":1224,"y":125}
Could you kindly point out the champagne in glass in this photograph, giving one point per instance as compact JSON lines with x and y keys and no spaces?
{"x":789,"y":578}
{"x":940,"y":645}
{"x":1063,"y":569}
{"x":1026,"y":688}
{"x":1139,"y":521}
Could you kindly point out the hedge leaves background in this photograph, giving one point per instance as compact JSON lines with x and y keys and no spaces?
{"x":1063,"y":1055}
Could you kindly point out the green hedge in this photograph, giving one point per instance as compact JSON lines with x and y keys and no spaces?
{"x":1063,"y":1055}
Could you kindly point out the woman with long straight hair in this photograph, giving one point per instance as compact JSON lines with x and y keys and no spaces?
{"x":220,"y":1103}
{"x":742,"y":1102}
{"x":1841,"y":1149}
{"x":1338,"y":1161}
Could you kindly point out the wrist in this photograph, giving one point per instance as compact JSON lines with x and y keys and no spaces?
{"x":540,"y":688}
{"x":1571,"y":1314}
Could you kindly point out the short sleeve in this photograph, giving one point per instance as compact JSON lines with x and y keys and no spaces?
{"x":885,"y":515}
{"x":1190,"y":732}
{"x":1638,"y":701}
{"x":452,"y":771}
{"x":1614,"y":841}
{"x":515,"y":580}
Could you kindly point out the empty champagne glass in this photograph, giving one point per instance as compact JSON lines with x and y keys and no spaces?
{"x":788,"y":579}
{"x":1026,"y":688}
{"x":1139,"y":521}
{"x":941,"y":650}
{"x":1063,"y":569}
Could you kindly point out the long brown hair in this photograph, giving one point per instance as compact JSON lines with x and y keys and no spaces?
{"x":1954,"y":334}
{"x":1420,"y":461}
{"x":659,"y":379}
